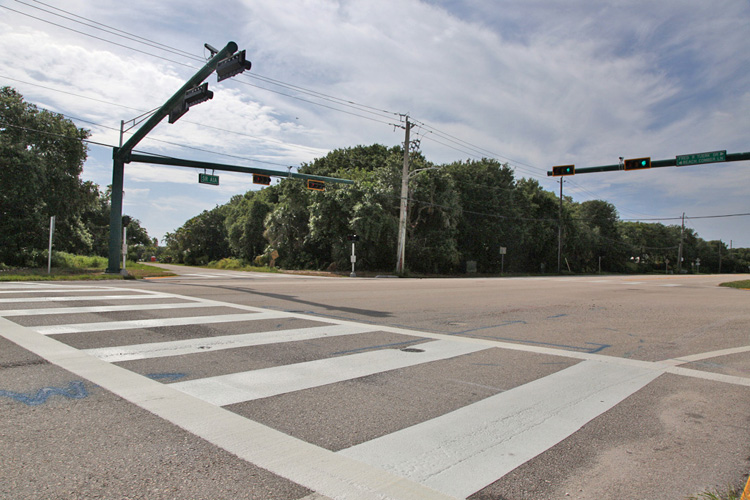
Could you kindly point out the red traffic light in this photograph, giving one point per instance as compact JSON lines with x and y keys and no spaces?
{"x":316,"y":185}
{"x":262,"y":179}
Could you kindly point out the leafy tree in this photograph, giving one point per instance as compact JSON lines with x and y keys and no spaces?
{"x":598,"y":237}
{"x":201,"y":239}
{"x":245,"y":224}
{"x":539,"y":214}
{"x":487,"y":222}
{"x":41,"y":159}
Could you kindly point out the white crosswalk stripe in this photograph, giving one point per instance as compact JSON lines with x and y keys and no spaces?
{"x":193,"y":346}
{"x":238,"y":387}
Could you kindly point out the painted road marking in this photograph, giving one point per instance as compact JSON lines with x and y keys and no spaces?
{"x":59,"y":290}
{"x":101,"y":309}
{"x":233,"y":388}
{"x":155,"y":323}
{"x":193,"y":346}
{"x":463,"y":451}
{"x":318,"y":469}
{"x":142,"y":295}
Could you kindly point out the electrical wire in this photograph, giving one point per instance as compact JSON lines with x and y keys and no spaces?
{"x":319,"y":95}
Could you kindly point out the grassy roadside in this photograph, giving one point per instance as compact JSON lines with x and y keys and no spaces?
{"x":135,"y":271}
{"x":743,"y":285}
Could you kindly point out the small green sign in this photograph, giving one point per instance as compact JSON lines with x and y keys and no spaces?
{"x":208,"y":179}
{"x":700,"y":158}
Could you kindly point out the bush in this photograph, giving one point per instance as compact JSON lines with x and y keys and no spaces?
{"x":228,"y":263}
{"x":70,"y":261}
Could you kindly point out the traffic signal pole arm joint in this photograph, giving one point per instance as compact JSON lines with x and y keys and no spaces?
{"x":124,"y":152}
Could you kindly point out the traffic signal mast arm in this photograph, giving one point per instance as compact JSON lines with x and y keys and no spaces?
{"x":123,"y":153}
{"x":178,"y":162}
{"x":672,"y":162}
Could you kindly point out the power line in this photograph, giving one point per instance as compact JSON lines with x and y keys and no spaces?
{"x":319,"y":95}
{"x":266,"y":139}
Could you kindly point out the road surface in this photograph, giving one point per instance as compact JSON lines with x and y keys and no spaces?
{"x":224,"y":384}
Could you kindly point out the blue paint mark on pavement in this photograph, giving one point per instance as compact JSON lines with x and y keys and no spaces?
{"x":75,"y":390}
{"x":169,"y":377}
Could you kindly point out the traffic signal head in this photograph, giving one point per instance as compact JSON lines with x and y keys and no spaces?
{"x":262,"y":179}
{"x":197,"y":95}
{"x":194,"y":96}
{"x":564,"y":170}
{"x":637,"y":163}
{"x":316,"y":185}
{"x":232,"y":66}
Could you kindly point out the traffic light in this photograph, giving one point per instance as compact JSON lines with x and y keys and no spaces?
{"x":198,"y":94}
{"x":126,"y":220}
{"x":262,"y":179}
{"x":637,"y":163}
{"x":316,"y":185}
{"x":194,"y":96}
{"x":352,"y":237}
{"x":232,"y":66}
{"x":564,"y":170}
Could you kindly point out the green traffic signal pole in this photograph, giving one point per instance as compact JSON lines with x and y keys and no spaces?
{"x":672,"y":162}
{"x":122,"y":155}
{"x":178,"y":162}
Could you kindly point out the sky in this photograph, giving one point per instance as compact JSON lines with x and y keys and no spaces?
{"x":534,"y":83}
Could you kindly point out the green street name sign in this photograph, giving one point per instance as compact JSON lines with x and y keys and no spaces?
{"x":699,"y":158}
{"x":208,"y":179}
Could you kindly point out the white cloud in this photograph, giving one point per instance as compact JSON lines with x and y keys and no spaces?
{"x":542,"y":82}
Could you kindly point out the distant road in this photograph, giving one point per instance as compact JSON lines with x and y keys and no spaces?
{"x":225,"y":384}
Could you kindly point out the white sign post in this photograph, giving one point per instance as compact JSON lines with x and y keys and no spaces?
{"x":49,"y":251}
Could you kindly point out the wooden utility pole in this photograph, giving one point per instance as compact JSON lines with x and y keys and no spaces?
{"x":559,"y":231}
{"x":401,"y":251}
{"x":679,"y":252}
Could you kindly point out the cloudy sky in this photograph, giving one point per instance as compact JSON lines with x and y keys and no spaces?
{"x":534,"y":83}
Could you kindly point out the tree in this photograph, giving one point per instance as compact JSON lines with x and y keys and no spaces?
{"x":200,"y":240}
{"x":487,"y":222}
{"x":245,"y":224}
{"x":538,"y":211}
{"x":41,"y":159}
{"x":598,"y":237}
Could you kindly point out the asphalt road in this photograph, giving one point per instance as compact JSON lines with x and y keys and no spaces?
{"x":223,"y":384}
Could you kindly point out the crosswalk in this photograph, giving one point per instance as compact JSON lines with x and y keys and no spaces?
{"x":452,"y":455}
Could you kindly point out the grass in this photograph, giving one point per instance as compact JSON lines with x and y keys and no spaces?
{"x":68,"y":267}
{"x":744,"y":284}
{"x":731,"y":494}
{"x":240,"y":265}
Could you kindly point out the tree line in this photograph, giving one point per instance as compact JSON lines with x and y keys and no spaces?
{"x":41,"y":159}
{"x":460,"y":216}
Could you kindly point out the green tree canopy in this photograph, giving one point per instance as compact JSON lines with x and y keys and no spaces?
{"x":41,"y":159}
